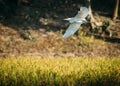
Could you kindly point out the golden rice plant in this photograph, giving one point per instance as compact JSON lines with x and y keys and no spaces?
{"x":29,"y":71}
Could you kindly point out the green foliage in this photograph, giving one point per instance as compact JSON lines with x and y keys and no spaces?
{"x":60,"y":72}
{"x":103,"y":29}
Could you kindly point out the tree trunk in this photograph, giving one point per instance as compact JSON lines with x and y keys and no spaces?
{"x":115,"y":14}
{"x":93,"y":21}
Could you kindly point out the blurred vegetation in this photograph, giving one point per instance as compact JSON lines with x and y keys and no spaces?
{"x":49,"y":15}
{"x":60,"y":72}
{"x":9,"y":7}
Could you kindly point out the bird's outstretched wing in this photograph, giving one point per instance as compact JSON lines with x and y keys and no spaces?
{"x":76,"y":21}
{"x":71,"y":29}
{"x":83,"y":13}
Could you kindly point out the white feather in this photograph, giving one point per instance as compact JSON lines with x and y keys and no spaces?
{"x":75,"y":22}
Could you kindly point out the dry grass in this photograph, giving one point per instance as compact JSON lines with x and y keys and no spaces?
{"x":60,"y":72}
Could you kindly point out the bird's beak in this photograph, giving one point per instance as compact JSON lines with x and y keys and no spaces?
{"x":66,"y":19}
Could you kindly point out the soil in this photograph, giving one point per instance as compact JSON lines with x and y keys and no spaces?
{"x":34,"y":31}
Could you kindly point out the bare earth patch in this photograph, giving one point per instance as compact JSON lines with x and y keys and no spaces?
{"x":34,"y":33}
{"x":51,"y":44}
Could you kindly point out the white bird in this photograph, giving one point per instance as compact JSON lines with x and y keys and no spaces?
{"x":75,"y":22}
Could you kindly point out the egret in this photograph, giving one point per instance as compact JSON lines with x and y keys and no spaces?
{"x":75,"y":22}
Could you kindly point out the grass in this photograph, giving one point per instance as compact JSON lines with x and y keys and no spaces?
{"x":60,"y":71}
